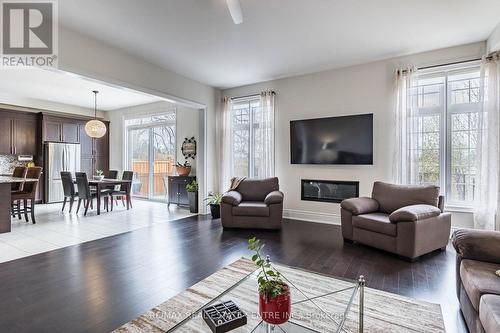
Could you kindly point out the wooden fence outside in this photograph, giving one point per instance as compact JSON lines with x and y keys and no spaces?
{"x":161,"y":169}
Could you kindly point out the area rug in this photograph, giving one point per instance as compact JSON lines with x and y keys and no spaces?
{"x":383,"y":311}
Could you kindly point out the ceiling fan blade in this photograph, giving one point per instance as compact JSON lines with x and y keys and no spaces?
{"x":234,"y":7}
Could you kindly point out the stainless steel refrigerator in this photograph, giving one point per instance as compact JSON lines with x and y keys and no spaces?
{"x":59,"y":157}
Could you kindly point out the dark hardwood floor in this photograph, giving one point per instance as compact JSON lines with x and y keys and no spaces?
{"x":100,"y":285}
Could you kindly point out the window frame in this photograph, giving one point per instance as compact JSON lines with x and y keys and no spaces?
{"x":446,"y":111}
{"x":252,"y":125}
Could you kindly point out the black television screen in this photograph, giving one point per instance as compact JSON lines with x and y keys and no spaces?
{"x":334,"y":140}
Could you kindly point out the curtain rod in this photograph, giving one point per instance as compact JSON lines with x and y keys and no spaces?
{"x":251,"y":95}
{"x":450,"y":63}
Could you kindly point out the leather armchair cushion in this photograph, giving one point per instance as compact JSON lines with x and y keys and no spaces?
{"x":232,"y":198}
{"x":477,"y":245}
{"x":376,"y":222}
{"x":251,"y":208}
{"x":414,"y":213}
{"x":257,"y":189}
{"x":391,"y":197}
{"x":478,"y":279}
{"x":489,"y":313}
{"x":275,"y":197}
{"x":358,"y":206}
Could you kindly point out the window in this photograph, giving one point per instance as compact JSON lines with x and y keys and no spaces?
{"x":246,"y":138}
{"x":443,"y":132}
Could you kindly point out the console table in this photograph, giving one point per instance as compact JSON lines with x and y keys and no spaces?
{"x":177,"y":193}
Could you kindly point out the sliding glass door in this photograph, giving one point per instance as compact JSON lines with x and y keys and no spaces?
{"x":151,"y":154}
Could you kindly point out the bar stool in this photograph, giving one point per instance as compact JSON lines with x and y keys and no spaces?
{"x":28,"y":193}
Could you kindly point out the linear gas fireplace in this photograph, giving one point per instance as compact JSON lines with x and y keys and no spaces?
{"x":328,"y":190}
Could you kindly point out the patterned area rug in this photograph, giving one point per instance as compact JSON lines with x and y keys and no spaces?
{"x":384,"y":312}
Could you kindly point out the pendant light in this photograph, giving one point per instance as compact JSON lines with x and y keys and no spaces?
{"x":95,"y":128}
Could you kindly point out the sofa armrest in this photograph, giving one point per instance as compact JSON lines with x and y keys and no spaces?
{"x":275,"y":197}
{"x":232,"y":197}
{"x":479,"y":245}
{"x":414,"y":213}
{"x":362,"y":205}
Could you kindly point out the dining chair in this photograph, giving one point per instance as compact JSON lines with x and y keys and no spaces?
{"x":28,"y":193}
{"x":19,"y":172}
{"x":69,"y":189}
{"x":85,"y":194}
{"x":122,"y":191}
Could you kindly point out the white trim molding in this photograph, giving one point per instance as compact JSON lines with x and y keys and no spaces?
{"x":308,"y":216}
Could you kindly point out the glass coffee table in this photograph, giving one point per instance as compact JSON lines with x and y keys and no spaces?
{"x":320,"y":303}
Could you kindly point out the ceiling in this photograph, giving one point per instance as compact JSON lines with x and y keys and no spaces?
{"x":60,"y":87}
{"x":278,"y":38}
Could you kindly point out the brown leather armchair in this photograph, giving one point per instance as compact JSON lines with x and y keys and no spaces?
{"x":254,"y":204}
{"x":403,"y":219}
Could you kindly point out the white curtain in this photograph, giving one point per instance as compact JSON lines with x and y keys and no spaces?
{"x":225,"y":145}
{"x":488,"y":147}
{"x":404,"y":166}
{"x":266,"y":132}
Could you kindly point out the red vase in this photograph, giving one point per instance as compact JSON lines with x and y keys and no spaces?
{"x":276,"y":310}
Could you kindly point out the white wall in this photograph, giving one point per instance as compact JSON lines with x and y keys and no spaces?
{"x":493,"y":43}
{"x":188,"y":127}
{"x":187,"y":122}
{"x":88,"y":57}
{"x":367,"y":88}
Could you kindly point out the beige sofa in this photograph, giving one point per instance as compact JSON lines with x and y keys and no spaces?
{"x":254,"y":204}
{"x":478,"y":288}
{"x":402,"y":219}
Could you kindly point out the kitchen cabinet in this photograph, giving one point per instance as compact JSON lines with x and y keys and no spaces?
{"x":94,"y":152}
{"x":70,"y":132}
{"x":25,"y":135}
{"x":52,"y":130}
{"x":5,"y":135}
{"x":18,"y":133}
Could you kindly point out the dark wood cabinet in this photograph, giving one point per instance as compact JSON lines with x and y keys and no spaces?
{"x":52,"y":130}
{"x":70,"y":132}
{"x":25,"y":135}
{"x":177,"y":193}
{"x":18,"y":133}
{"x":87,"y":165}
{"x":94,"y":152}
{"x":5,"y":135}
{"x":86,"y":142}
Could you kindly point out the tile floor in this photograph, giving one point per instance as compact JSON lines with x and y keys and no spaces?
{"x":55,"y":229}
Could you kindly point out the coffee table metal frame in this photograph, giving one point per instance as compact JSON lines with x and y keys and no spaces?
{"x":358,"y":286}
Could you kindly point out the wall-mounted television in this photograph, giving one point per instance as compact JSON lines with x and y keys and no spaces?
{"x":333,"y":140}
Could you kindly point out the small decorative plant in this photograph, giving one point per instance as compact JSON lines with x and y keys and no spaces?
{"x":213,"y":200}
{"x":192,"y":187}
{"x":186,"y":164}
{"x":275,"y":301}
{"x":270,"y":282}
{"x":99,"y":175}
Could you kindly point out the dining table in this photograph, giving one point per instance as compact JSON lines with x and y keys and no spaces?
{"x":5,"y":202}
{"x":106,"y":184}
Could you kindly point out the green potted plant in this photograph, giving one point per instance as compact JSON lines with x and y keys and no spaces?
{"x":192,"y":190}
{"x":99,"y":175}
{"x":183,"y":169}
{"x":274,"y":294}
{"x":213,"y":200}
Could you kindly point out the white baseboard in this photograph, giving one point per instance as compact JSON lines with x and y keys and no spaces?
{"x":303,"y":215}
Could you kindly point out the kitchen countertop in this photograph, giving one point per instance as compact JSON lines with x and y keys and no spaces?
{"x":10,"y":179}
